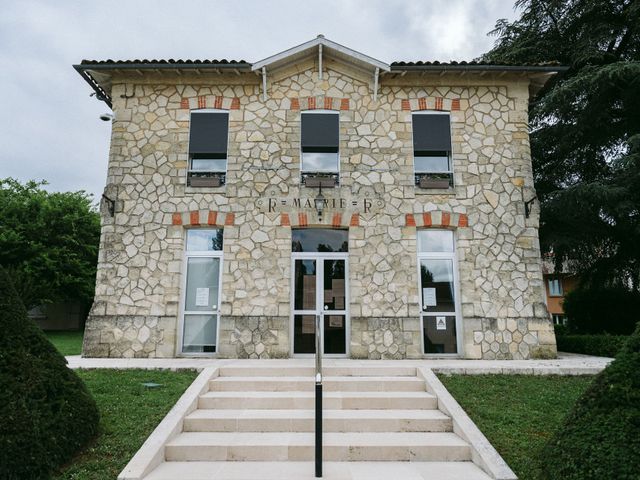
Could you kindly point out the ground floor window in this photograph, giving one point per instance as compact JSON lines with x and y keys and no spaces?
{"x":438,"y":291}
{"x":201,"y":290}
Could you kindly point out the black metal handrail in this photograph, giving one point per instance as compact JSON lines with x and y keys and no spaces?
{"x":318,"y":397}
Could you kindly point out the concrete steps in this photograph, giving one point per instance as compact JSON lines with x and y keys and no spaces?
{"x":258,"y":423}
{"x":298,"y":420}
{"x":295,"y":446}
{"x":332,"y":400}
{"x":330,"y":384}
{"x":331,"y":471}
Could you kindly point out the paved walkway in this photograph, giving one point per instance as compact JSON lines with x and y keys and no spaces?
{"x":565,"y":364}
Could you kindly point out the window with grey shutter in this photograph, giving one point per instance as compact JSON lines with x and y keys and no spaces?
{"x":319,"y":145}
{"x":432,"y":150}
{"x":208,"y":143}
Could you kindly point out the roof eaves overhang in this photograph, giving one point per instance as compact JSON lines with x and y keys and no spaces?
{"x":480,"y":68}
{"x":105,"y":68}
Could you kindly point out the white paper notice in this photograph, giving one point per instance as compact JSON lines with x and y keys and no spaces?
{"x":202,"y":297}
{"x":441,"y":323}
{"x":429,"y":297}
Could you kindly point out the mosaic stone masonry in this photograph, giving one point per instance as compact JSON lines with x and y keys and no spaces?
{"x":141,"y":250}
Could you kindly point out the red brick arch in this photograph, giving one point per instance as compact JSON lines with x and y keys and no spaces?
{"x":437,"y":219}
{"x":430,"y":103}
{"x":323,"y":102}
{"x":210,"y":101}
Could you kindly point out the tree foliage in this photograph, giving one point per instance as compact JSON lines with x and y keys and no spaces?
{"x":585,"y":129}
{"x":48,"y":242}
{"x":611,"y":310}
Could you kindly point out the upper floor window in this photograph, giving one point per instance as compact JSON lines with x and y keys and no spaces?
{"x":555,"y":287}
{"x":432,"y":149}
{"x":320,"y":139}
{"x":208,"y":138}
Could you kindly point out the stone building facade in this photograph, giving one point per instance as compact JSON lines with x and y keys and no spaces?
{"x":386,"y":281}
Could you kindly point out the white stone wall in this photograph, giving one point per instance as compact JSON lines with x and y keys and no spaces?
{"x":497,"y":247}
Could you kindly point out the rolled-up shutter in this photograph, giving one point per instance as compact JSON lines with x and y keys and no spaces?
{"x":431,"y":133}
{"x":209,"y":132}
{"x":320,"y":132}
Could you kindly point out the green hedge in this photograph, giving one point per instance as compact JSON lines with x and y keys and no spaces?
{"x":46,"y":413}
{"x":600,"y":438}
{"x":602,"y":310}
{"x":598,"y":345}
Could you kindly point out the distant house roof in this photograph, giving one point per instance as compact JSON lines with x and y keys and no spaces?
{"x":98,"y":72}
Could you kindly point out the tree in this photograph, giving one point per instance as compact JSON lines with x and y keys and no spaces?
{"x":46,"y":412}
{"x":48,"y":242}
{"x":585,"y":130}
{"x":599,"y":438}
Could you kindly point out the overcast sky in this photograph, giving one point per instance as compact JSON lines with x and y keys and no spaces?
{"x":49,"y":126}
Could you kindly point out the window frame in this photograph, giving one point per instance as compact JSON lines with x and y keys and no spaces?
{"x":559,"y":319}
{"x":450,"y":172}
{"x":303,"y":173}
{"x":186,"y":255}
{"x":559,"y":292}
{"x":453,"y":256}
{"x":222,"y":174}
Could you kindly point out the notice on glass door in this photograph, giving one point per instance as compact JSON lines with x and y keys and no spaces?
{"x":429,"y":297}
{"x":441,"y":323}
{"x":202,"y":297}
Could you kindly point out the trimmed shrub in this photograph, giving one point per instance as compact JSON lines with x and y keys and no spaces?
{"x":598,"y":345}
{"x":602,"y":310}
{"x":46,"y":413}
{"x":560,"y":329}
{"x":599,"y":438}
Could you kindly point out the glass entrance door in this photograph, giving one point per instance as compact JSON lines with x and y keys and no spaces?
{"x":319,"y":284}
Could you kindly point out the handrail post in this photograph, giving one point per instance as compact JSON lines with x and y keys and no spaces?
{"x":318,"y":397}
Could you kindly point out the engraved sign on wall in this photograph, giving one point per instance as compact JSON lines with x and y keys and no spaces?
{"x":288,"y":204}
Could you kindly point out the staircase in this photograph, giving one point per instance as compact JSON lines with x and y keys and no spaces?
{"x":258,"y":423}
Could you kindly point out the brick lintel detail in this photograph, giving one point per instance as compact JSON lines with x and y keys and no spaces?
{"x":430,"y":103}
{"x":202,"y":218}
{"x":210,"y":101}
{"x":437,"y":219}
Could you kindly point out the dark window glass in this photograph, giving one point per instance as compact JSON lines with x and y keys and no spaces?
{"x":436,"y":277}
{"x":305,"y":285}
{"x":319,"y":240}
{"x":334,"y":287}
{"x":304,"y":331}
{"x":440,"y":334}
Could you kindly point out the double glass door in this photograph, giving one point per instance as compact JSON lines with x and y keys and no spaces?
{"x":320,"y":290}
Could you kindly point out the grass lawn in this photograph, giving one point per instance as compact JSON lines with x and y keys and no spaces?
{"x":517,"y":413}
{"x":129,"y":413}
{"x":67,"y":343}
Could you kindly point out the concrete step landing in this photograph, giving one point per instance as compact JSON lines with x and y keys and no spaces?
{"x":305,"y":471}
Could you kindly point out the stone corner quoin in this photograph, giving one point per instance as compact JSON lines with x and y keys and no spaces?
{"x":139,"y":306}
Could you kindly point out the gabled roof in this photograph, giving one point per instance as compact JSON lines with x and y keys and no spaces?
{"x":340,"y":52}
